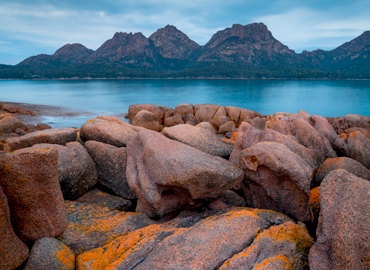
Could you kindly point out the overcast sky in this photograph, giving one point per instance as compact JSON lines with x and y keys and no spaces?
{"x":31,"y":27}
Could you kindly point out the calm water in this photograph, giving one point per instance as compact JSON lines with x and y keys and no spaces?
{"x":113,"y":97}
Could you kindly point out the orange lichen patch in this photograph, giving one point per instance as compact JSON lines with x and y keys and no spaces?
{"x":280,"y":262}
{"x":344,"y":136}
{"x":232,"y":139}
{"x":111,"y":255}
{"x":66,"y":258}
{"x":315,"y":201}
{"x":92,"y":120}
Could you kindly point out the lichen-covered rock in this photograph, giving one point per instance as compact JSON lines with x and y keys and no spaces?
{"x":29,"y":178}
{"x":167,"y":175}
{"x":103,"y":199}
{"x":111,"y":164}
{"x":275,"y":178}
{"x":9,"y":123}
{"x":343,"y":233}
{"x":315,"y":202}
{"x":348,"y":164}
{"x":184,"y":109}
{"x":298,"y":126}
{"x":13,"y":252}
{"x":76,"y":170}
{"x":365,"y":132}
{"x":60,"y":136}
{"x":203,"y":245}
{"x":107,"y":132}
{"x":49,"y":253}
{"x":91,"y":226}
{"x":249,"y":136}
{"x":159,"y":111}
{"x":146,"y":120}
{"x":198,"y":138}
{"x":284,"y":246}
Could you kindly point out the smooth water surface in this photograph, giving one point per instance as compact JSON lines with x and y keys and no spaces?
{"x":113,"y":97}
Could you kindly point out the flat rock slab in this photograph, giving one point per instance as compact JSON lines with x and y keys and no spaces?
{"x":343,"y":233}
{"x":107,"y":132}
{"x":92,"y":226}
{"x":13,"y":252}
{"x":275,"y":178}
{"x":167,"y":175}
{"x":60,"y":136}
{"x":198,"y":138}
{"x":29,"y":178}
{"x":204,"y":245}
{"x":111,"y":162}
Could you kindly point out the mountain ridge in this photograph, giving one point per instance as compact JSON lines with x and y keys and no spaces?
{"x":248,"y":51}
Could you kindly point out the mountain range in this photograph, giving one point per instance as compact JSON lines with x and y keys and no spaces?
{"x":248,"y":51}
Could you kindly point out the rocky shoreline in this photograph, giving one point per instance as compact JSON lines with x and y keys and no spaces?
{"x":192,"y":187}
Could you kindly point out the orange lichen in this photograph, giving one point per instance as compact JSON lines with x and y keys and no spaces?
{"x":66,"y":258}
{"x":92,"y":120}
{"x":315,"y":201}
{"x":271,"y":263}
{"x":344,"y":136}
{"x":232,"y":139}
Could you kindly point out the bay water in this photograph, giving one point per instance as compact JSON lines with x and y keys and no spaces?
{"x":113,"y":97}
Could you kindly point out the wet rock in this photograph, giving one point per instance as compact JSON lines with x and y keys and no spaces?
{"x":205,"y":244}
{"x":29,"y":178}
{"x":159,"y":111}
{"x":107,"y":132}
{"x":76,"y":169}
{"x":348,"y":164}
{"x":146,"y":120}
{"x":49,"y":253}
{"x":17,"y":109}
{"x":298,"y":126}
{"x":9,"y":124}
{"x":280,"y":247}
{"x":206,"y":111}
{"x":208,"y":126}
{"x":53,"y":136}
{"x":184,"y":109}
{"x":275,"y":178}
{"x":92,"y":226}
{"x":343,"y":232}
{"x":100,"y":198}
{"x":111,"y":164}
{"x":41,"y":126}
{"x":249,"y":136}
{"x":227,"y":127}
{"x":238,"y":115}
{"x":198,"y":138}
{"x":167,"y":175}
{"x":13,"y":252}
{"x":173,"y":121}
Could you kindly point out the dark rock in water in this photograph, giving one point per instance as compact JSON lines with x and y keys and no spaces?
{"x":29,"y":178}
{"x":76,"y":169}
{"x":8,"y":124}
{"x":111,"y":164}
{"x":345,"y":163}
{"x":49,"y":253}
{"x":207,"y":243}
{"x":159,"y":111}
{"x":13,"y":252}
{"x":249,"y":136}
{"x":107,"y":132}
{"x":100,"y":198}
{"x":343,"y":233}
{"x":91,"y":226}
{"x":275,"y":178}
{"x":54,"y":136}
{"x":146,"y":120}
{"x":198,"y":138}
{"x":167,"y":175}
